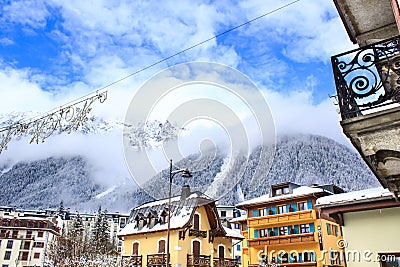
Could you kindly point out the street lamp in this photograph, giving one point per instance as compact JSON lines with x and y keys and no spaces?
{"x":185,"y":174}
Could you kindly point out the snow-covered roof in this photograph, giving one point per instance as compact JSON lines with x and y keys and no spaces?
{"x":242,"y":218}
{"x":297,"y":192}
{"x":233,"y":233}
{"x":355,"y":196}
{"x":181,"y":212}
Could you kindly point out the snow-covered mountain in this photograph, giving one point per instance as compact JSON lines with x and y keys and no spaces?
{"x":80,"y":183}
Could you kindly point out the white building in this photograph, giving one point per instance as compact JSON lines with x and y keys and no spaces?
{"x":24,"y":236}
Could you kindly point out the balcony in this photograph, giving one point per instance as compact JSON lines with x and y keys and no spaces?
{"x":282,"y":218}
{"x":131,"y":261}
{"x":157,"y":260}
{"x":18,"y":237}
{"x":224,"y":262}
{"x":368,"y":94}
{"x":198,"y":261}
{"x":197,"y":233}
{"x":284,"y":239}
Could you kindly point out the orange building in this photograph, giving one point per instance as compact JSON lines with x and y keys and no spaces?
{"x":285,"y":228}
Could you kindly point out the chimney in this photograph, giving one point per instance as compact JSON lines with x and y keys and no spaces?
{"x":185,"y":192}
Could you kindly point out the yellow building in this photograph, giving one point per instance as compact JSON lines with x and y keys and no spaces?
{"x":370,"y":220}
{"x":197,"y":237}
{"x":285,"y":228}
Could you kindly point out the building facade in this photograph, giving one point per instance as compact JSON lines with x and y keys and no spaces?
{"x":367,"y":85}
{"x":370,"y":220}
{"x":197,"y":236}
{"x":284,"y":228}
{"x":24,"y":236}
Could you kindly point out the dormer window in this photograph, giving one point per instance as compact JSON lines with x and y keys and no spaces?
{"x":281,"y":191}
{"x":163,"y":217}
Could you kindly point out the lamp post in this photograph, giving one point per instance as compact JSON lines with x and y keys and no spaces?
{"x":185,"y":174}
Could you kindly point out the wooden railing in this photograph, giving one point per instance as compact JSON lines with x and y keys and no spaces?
{"x":132,"y":261}
{"x":284,"y":239}
{"x":198,"y":261}
{"x":224,"y":262}
{"x":197,"y":233}
{"x":157,"y":260}
{"x":284,"y":217}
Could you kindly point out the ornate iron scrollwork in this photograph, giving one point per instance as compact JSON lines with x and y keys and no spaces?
{"x":66,"y":119}
{"x":368,"y":77}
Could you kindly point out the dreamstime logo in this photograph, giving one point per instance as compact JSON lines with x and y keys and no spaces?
{"x":197,"y":112}
{"x":342,"y":243}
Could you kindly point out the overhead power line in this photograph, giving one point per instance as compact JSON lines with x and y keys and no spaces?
{"x":189,"y":48}
{"x":71,"y":115}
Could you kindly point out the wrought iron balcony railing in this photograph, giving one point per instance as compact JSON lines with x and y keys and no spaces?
{"x":198,"y":261}
{"x":367,"y":78}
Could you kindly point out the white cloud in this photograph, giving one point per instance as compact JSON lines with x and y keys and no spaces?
{"x":107,"y":40}
{"x":30,"y":13}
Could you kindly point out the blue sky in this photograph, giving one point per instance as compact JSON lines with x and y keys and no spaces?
{"x":52,"y":52}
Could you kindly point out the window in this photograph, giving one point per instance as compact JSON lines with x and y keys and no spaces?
{"x":221,"y":252}
{"x":40,"y":234}
{"x":263,"y":232}
{"x":27,"y":245}
{"x":285,"y":190}
{"x":328,"y":228}
{"x":236,"y":226}
{"x":280,"y":191}
{"x":304,"y":228}
{"x":161,"y":246}
{"x":238,"y":248}
{"x":29,"y":234}
{"x":135,"y":248}
{"x":336,"y":230}
{"x":5,"y":265}
{"x":261,"y":212}
{"x":196,"y":222}
{"x":283,"y":230}
{"x":282,"y":209}
{"x":9,"y":244}
{"x":7,"y":256}
{"x":24,"y":256}
{"x":301,"y":206}
{"x":15,"y":234}
{"x":223,"y":213}
{"x":38,"y":244}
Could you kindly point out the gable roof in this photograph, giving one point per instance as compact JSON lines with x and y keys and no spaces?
{"x":182,"y":212}
{"x":367,"y":195}
{"x":297,"y":192}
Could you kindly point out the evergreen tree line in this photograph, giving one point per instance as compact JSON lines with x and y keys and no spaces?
{"x":78,"y":245}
